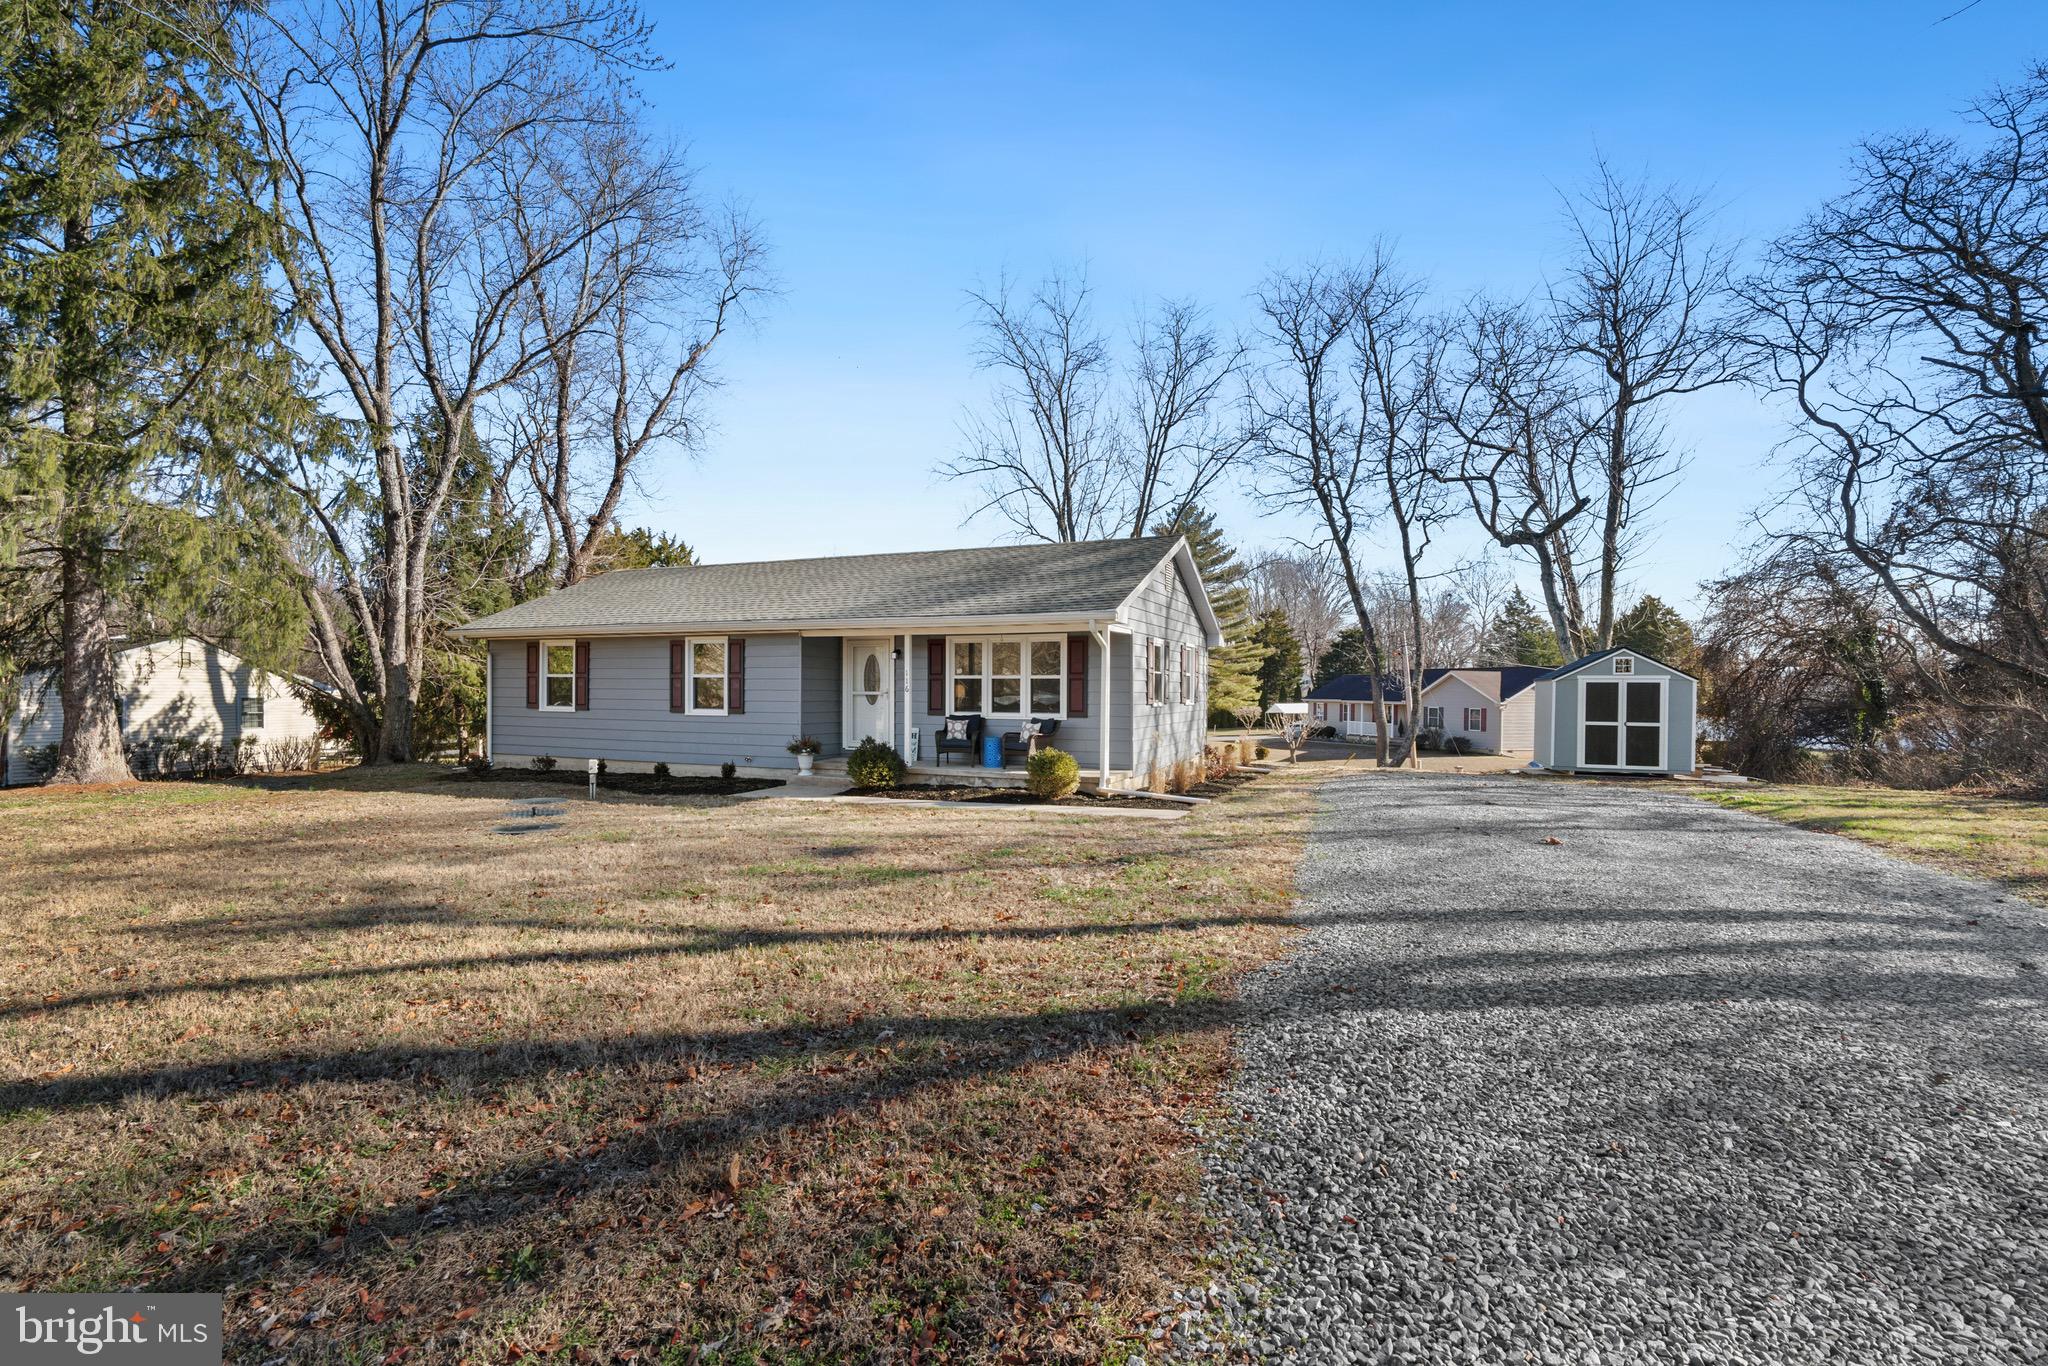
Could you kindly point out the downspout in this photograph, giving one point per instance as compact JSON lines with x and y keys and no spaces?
{"x":1102,"y":707}
{"x":490,"y":689}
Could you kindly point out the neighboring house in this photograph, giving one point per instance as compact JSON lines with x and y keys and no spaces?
{"x":1491,"y":710}
{"x":177,"y":693}
{"x":1618,"y":711}
{"x":710,"y":664}
{"x":1345,"y":705}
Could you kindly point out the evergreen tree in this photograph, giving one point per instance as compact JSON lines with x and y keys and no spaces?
{"x":1653,"y":627}
{"x":641,"y":548}
{"x":1519,"y":635}
{"x":139,"y":346}
{"x":1234,"y":670}
{"x":1280,"y":662}
{"x":1348,"y":654}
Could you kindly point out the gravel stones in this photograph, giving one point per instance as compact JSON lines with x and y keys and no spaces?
{"x":1688,"y":1086}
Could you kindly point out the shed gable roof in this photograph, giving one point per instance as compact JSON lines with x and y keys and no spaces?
{"x":1072,"y":580}
{"x":1586,"y":661}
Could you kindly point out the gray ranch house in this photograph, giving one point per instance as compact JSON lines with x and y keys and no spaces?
{"x":711,"y":664}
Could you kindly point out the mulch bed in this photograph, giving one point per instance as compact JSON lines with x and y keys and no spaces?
{"x":1012,"y":796}
{"x":1230,"y":782}
{"x":643,"y":784}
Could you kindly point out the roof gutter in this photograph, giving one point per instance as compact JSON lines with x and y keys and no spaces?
{"x":820,"y":625}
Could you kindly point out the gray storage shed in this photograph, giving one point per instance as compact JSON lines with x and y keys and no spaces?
{"x":1618,"y":711}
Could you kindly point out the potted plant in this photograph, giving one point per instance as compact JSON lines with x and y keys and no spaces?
{"x":805,"y":748}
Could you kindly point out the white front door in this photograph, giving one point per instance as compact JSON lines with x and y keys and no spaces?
{"x":869,"y":690}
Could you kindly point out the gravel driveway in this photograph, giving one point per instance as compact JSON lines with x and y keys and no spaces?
{"x":1689,"y":1086}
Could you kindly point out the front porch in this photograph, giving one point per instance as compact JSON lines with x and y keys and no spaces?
{"x":959,"y":774}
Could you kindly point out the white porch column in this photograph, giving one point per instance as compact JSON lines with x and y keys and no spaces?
{"x":1102,"y":708}
{"x":903,"y":736}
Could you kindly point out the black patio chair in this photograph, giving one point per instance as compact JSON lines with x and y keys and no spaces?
{"x":1015,"y":744}
{"x":971,"y":746}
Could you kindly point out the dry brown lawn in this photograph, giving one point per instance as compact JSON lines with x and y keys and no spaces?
{"x":670,"y":1081}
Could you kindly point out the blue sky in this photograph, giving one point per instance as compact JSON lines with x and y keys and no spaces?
{"x":897,"y":155}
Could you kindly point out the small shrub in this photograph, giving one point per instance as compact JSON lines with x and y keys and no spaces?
{"x":727,"y":771}
{"x":39,"y":760}
{"x":1260,"y":751}
{"x":1248,"y":749}
{"x":805,"y":744}
{"x":1052,"y":774}
{"x":1219,"y":761}
{"x":1157,"y":779}
{"x":543,"y":763}
{"x":290,"y":756}
{"x":661,"y":771}
{"x":1184,"y":775}
{"x":602,"y":768}
{"x":479,"y":766}
{"x":874,"y":764}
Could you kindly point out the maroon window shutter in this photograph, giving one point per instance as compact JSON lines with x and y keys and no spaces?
{"x":736,"y":676}
{"x":935,"y":676}
{"x":583,"y":675}
{"x":1077,"y":675}
{"x":533,"y":674}
{"x":676,"y":678}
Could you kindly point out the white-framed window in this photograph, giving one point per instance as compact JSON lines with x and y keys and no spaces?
{"x":1624,"y":665}
{"x":1007,"y":675}
{"x":558,"y":675}
{"x":1187,"y":675}
{"x":1432,"y":718}
{"x":704,"y":657}
{"x":252,"y":713}
{"x":1475,"y":719}
{"x":1155,"y":671}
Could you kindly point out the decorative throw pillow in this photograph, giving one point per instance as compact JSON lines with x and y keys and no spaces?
{"x":956,"y":728}
{"x":1030,"y":731}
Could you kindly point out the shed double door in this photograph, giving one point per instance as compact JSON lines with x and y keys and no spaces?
{"x":1623,"y":720}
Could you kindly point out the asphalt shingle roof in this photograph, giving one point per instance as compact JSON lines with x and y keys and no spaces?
{"x":1076,"y":579}
{"x":1355,"y":688}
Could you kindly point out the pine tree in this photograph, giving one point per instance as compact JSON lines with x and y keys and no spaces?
{"x":1654,"y":628}
{"x":1347,"y":654}
{"x":139,"y":346}
{"x":641,"y":548}
{"x":1234,"y":670}
{"x":1519,"y":635}
{"x":1280,"y":665}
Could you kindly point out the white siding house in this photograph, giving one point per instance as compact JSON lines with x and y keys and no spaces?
{"x":1492,"y":710}
{"x":182,"y":691}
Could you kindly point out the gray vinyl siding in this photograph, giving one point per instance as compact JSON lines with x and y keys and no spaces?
{"x":1170,"y":731}
{"x":628,"y":719}
{"x":1681,"y":703}
{"x":164,"y":701}
{"x":1079,"y":736}
{"x":822,"y":704}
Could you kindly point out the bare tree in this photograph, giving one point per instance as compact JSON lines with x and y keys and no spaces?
{"x":1904,"y":322}
{"x":1645,"y":307}
{"x":1482,"y":584}
{"x":1518,"y":420}
{"x":1076,"y":444}
{"x":1186,"y":433}
{"x":1046,"y":454}
{"x":426,"y":170}
{"x":1307,"y":588}
{"x":624,"y":327}
{"x":1396,"y":355}
{"x":1311,"y":445}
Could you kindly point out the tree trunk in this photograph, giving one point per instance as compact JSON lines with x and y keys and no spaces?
{"x":90,"y":751}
